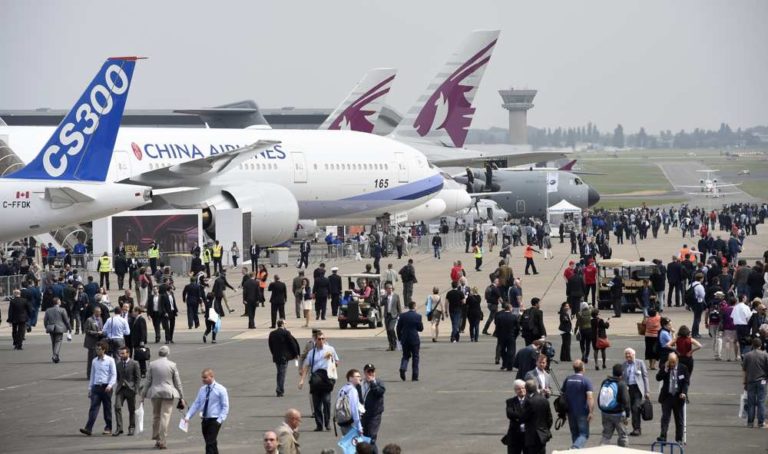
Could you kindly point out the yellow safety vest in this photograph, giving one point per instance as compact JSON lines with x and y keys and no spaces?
{"x":105,"y":265}
{"x":217,"y":250}
{"x":478,"y":253}
{"x":206,"y":255}
{"x":154,"y":253}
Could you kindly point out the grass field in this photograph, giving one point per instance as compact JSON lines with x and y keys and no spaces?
{"x":624,"y":175}
{"x":614,"y":204}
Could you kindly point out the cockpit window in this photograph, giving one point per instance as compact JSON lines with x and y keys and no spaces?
{"x":578,"y":181}
{"x":446,"y":176}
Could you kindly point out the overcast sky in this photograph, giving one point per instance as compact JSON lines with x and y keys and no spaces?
{"x":658,"y":64}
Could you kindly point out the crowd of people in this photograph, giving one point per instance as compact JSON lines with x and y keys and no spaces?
{"x":710,"y":279}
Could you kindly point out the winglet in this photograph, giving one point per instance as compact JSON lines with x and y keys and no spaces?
{"x":81,"y":146}
{"x":361,"y":107}
{"x":444,"y":112}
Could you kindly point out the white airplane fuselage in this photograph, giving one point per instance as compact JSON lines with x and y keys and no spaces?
{"x":332,"y":174}
{"x":25,"y":210}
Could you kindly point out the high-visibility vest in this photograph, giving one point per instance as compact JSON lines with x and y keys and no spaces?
{"x":478,"y":253}
{"x":105,"y":264}
{"x":528,"y":252}
{"x":154,"y":253}
{"x":217,"y":250}
{"x":206,"y":255}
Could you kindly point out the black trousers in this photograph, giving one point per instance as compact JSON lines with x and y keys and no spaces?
{"x":120,"y":280}
{"x":565,"y":348}
{"x":321,"y":305}
{"x":389,"y":324}
{"x":635,"y":402}
{"x":250,"y":309}
{"x":529,"y":264}
{"x":507,"y":352}
{"x":193,"y":320}
{"x":516,"y":443}
{"x":169,"y":324}
{"x":282,"y":367}
{"x":156,"y":326}
{"x":672,"y":406}
{"x":217,"y":265}
{"x":371,"y":424}
{"x":17,"y":332}
{"x":321,"y":402}
{"x":211,"y":428}
{"x":209,"y":329}
{"x":335,"y":304}
{"x":104,"y":279}
{"x":274,"y":309}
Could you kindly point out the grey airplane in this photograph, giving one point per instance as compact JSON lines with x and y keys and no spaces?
{"x":523,"y":193}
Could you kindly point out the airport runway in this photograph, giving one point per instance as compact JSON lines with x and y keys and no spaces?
{"x":457,"y":407}
{"x":687,"y":174}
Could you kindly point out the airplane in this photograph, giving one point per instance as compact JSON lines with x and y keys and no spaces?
{"x":65,"y":183}
{"x":438,"y":124}
{"x":709,"y":186}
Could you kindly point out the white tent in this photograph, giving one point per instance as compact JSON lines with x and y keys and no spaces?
{"x":603,"y":450}
{"x":564,"y":211}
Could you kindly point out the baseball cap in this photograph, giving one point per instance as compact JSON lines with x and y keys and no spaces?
{"x":571,"y":262}
{"x":368,"y":367}
{"x":335,"y":268}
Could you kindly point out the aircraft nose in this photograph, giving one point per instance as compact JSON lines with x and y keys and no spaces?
{"x":592,"y":197}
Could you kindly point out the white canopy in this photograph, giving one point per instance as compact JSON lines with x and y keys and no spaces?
{"x":564,"y":206}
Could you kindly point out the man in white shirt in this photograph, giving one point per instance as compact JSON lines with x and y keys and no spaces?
{"x":741,"y":315}
{"x":115,"y":331}
{"x":543,"y":379}
{"x":322,"y":361}
{"x":213,"y":404}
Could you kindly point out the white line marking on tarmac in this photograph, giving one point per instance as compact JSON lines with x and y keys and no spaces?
{"x":12,"y":387}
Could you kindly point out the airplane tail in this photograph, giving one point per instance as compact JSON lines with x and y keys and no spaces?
{"x":81,"y":146}
{"x":444,"y":112}
{"x":361,"y":107}
{"x":568,"y":167}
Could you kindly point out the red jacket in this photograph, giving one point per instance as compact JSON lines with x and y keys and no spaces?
{"x":456,"y":274}
{"x":590,"y":274}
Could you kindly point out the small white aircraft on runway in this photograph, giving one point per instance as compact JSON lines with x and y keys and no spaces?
{"x":709,"y":186}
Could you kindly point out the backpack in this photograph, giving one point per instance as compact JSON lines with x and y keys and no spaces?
{"x":526,"y":322}
{"x":608,"y":399}
{"x":342,"y":412}
{"x":690,"y":295}
{"x":714,"y":316}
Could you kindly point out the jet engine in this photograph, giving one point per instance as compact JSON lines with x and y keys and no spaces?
{"x":274,"y":211}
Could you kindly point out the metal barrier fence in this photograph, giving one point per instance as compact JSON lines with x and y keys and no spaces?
{"x":8,"y":284}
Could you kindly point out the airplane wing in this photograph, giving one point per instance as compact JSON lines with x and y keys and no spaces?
{"x":488,"y":194}
{"x":688,"y":186}
{"x":200,"y":171}
{"x":728,"y":185}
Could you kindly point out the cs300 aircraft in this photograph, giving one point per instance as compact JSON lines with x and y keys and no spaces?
{"x":65,"y":183}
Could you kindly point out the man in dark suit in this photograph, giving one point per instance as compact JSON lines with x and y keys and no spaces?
{"x":675,"y":280}
{"x":525,"y":360}
{"x":321,"y":288}
{"x":251,"y":297}
{"x":167,"y":312}
{"x":507,"y":328}
{"x":93,"y":330}
{"x":408,"y":329}
{"x":392,"y":310}
{"x":283,"y":347}
{"x":515,"y":438}
{"x":19,"y":309}
{"x":672,"y":396}
{"x":193,"y":295}
{"x":537,"y":417}
{"x":126,"y":387}
{"x":372,"y":396}
{"x":336,"y":289}
{"x":534,"y":327}
{"x":277,"y":298}
{"x":138,"y":326}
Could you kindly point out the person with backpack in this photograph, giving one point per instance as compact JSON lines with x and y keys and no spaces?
{"x":713,"y":321}
{"x":583,"y":330}
{"x":694,"y":298}
{"x":347,"y":409}
{"x":532,"y":322}
{"x":613,"y":401}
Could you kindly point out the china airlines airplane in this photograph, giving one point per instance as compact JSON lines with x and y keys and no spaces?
{"x":65,"y":183}
{"x":335,"y":177}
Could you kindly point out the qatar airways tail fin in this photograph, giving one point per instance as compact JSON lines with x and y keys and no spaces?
{"x":444,"y":112}
{"x":362,"y":106}
{"x":81,"y":146}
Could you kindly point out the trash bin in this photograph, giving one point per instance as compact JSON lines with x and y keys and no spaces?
{"x":278,"y":256}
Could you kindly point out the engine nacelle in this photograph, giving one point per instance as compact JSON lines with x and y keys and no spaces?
{"x":274,"y":211}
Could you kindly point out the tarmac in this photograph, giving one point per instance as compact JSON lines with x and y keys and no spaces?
{"x":456,"y":407}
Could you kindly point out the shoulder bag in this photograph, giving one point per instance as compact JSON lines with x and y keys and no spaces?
{"x":319,"y":381}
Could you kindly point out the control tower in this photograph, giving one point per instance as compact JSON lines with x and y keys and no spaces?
{"x":517,"y":102}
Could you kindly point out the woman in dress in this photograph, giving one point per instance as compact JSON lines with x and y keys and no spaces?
{"x":306,"y":301}
{"x":234,"y":251}
{"x":436,"y":308}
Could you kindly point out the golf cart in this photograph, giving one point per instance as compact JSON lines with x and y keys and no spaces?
{"x":358,"y":308}
{"x":632,"y":273}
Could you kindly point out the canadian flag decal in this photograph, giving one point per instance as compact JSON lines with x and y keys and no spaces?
{"x":22,"y":194}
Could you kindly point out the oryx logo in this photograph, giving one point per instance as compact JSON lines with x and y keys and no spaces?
{"x":354,"y":117}
{"x":552,"y":182}
{"x":73,"y":135}
{"x":136,"y":151}
{"x":448,"y":107}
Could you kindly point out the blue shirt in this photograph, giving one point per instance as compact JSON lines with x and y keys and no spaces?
{"x":116,"y":327}
{"x":103,"y":372}
{"x":664,"y":338}
{"x":354,"y":405}
{"x":320,"y":359}
{"x":576,"y":388}
{"x":218,"y":402}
